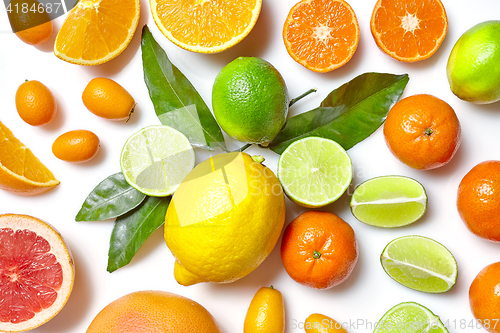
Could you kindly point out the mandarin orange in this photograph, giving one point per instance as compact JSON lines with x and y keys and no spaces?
{"x":484,"y":297}
{"x":35,"y":103}
{"x":76,"y":146}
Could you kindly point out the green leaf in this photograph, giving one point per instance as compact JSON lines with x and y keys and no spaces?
{"x":349,"y":114}
{"x":176,"y":101}
{"x":111,"y":198}
{"x":132,"y":229}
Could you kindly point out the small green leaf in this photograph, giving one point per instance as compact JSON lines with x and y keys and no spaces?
{"x":111,"y":198}
{"x":176,"y":101}
{"x":132,"y":229}
{"x":349,"y":114}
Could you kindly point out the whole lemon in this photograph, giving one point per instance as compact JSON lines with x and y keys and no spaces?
{"x":473,"y":67}
{"x":107,"y":99}
{"x":224,"y":219}
{"x":250,"y":100}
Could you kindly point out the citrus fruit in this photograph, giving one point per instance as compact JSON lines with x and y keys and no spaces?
{"x":156,"y":159}
{"x":321,"y":35}
{"x":37,"y":272}
{"x":422,"y":131}
{"x":314,"y":172}
{"x":319,"y":250}
{"x":224,"y":219}
{"x":410,"y":317}
{"x":96,"y":31}
{"x":478,"y":200}
{"x":32,"y":26}
{"x":318,"y":323}
{"x":420,"y":263}
{"x":205,"y":26}
{"x":266,"y":313}
{"x":76,"y":146}
{"x":107,"y":99}
{"x":153,"y":311}
{"x":409,"y":30}
{"x":389,"y":201}
{"x":473,"y":71}
{"x":35,"y":103}
{"x":484,"y":298}
{"x":20,"y":171}
{"x":250,"y":100}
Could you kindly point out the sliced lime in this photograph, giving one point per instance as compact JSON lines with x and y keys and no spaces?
{"x":410,"y":317}
{"x":420,"y":263}
{"x":389,"y":201}
{"x":314,"y":172}
{"x":156,"y":159}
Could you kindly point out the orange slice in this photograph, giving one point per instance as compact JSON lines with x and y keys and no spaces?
{"x":321,"y":35}
{"x":409,"y":31}
{"x":20,"y":171}
{"x":96,"y":31}
{"x":205,"y":26}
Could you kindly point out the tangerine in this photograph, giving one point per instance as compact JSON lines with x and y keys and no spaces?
{"x":35,"y":103}
{"x":107,"y":99}
{"x":484,"y":298}
{"x":76,"y":146}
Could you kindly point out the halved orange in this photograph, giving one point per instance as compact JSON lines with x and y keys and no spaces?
{"x":96,"y":31}
{"x":20,"y":171}
{"x":409,"y":31}
{"x":321,"y":35}
{"x":205,"y":26}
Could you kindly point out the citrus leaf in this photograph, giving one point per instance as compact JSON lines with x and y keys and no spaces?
{"x":176,"y":101}
{"x":132,"y":229}
{"x":111,"y":198}
{"x":349,"y":114}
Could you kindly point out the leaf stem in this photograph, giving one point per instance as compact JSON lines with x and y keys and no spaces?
{"x":298,"y":98}
{"x":245,"y":147}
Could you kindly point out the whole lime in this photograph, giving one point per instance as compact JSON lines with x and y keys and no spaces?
{"x":250,"y":100}
{"x":473,"y":67}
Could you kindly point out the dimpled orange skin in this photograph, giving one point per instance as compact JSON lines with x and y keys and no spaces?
{"x":35,"y":103}
{"x":323,"y":234}
{"x":36,"y":35}
{"x":107,"y":99}
{"x":76,"y":146}
{"x":153,"y":311}
{"x":422,"y":131}
{"x":478,"y":200}
{"x":484,"y":297}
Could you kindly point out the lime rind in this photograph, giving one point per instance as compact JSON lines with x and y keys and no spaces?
{"x":420,"y":263}
{"x":314,"y":171}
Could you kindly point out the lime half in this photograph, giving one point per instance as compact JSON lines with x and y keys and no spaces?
{"x":389,"y":202}
{"x":420,"y":263}
{"x":156,"y":159}
{"x":410,"y":317}
{"x":314,"y":172}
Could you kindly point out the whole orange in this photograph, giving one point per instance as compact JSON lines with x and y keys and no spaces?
{"x":35,"y":103}
{"x":76,"y":146}
{"x":478,"y":200}
{"x":319,"y":249}
{"x":422,"y":131}
{"x":107,"y":99}
{"x":153,"y":311}
{"x":484,"y":297}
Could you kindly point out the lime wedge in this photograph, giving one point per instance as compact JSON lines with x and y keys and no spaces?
{"x":410,"y":317}
{"x":314,"y":172}
{"x":156,"y":159}
{"x":420,"y":263}
{"x":389,"y":201}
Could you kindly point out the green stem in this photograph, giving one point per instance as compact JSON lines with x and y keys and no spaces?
{"x":316,"y":255}
{"x":245,"y":147}
{"x":296,"y":99}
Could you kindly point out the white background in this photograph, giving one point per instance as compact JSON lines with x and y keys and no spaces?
{"x":369,"y":292}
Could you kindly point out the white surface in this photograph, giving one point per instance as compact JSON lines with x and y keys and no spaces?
{"x":369,"y":292}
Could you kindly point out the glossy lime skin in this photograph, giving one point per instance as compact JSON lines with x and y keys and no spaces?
{"x":250,"y":100}
{"x":474,"y":64}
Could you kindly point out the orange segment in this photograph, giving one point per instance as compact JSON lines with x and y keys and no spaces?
{"x":20,"y":171}
{"x":205,"y":26}
{"x":409,"y":30}
{"x":96,"y":31}
{"x":321,"y":35}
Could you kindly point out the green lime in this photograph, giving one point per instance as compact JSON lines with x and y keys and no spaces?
{"x":410,"y":317}
{"x":420,"y":263}
{"x":389,"y":201}
{"x":156,"y":159}
{"x":250,"y":100}
{"x":314,"y":172}
{"x":473,"y":70}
